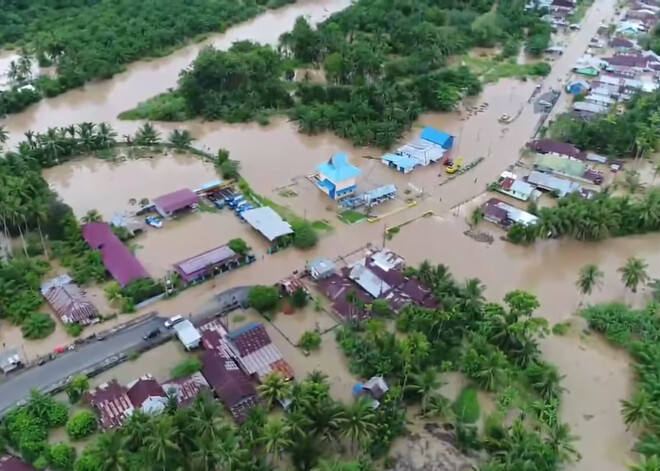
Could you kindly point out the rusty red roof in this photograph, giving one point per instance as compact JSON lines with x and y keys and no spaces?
{"x":118,"y":260}
{"x":249,"y":338}
{"x":70,"y":303}
{"x":143,"y":389}
{"x":549,"y":146}
{"x":111,"y":401}
{"x":230,"y":384}
{"x":11,"y":463}
{"x":176,"y":200}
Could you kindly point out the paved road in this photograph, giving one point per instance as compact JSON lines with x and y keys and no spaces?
{"x":17,"y":386}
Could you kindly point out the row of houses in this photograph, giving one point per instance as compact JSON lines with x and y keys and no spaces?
{"x":377,"y":275}
{"x":232,"y":363}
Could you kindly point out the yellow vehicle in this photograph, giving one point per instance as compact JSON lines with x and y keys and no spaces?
{"x":454,"y":166}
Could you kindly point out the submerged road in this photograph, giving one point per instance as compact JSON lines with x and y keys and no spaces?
{"x":18,"y":386}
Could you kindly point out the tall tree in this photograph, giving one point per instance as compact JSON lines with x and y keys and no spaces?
{"x":633,"y":273}
{"x":590,"y":277}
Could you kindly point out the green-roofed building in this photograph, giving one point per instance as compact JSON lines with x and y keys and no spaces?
{"x":554,"y":164}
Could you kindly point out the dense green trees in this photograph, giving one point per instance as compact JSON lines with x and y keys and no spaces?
{"x":597,"y":218}
{"x":494,"y":345}
{"x":634,"y":133}
{"x":95,"y":39}
{"x":383,"y":63}
{"x":638,"y":332}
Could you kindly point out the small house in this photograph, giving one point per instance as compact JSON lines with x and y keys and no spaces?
{"x":217,"y":260}
{"x":337,"y":177}
{"x":553,"y":184}
{"x":601,"y":100}
{"x":504,"y":215}
{"x":111,"y":402}
{"x":320,"y":268}
{"x":147,"y":395}
{"x":622,"y":44}
{"x":176,"y":201}
{"x":577,"y":87}
{"x":256,"y":353}
{"x":400,"y":163}
{"x":230,"y":384}
{"x":375,"y":389}
{"x":68,"y":301}
{"x":552,"y":147}
{"x":187,"y":334}
{"x":186,"y":388}
{"x":588,"y":109}
{"x":510,"y":185}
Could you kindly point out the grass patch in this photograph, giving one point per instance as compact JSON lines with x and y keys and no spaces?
{"x":561,"y":328}
{"x":322,"y":225}
{"x":491,"y":70}
{"x":466,"y":407}
{"x":351,"y":217}
{"x":168,"y":106}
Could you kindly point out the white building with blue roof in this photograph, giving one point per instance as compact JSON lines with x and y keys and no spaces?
{"x":337,"y":177}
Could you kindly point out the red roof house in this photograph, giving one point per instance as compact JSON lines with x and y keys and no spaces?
{"x":111,"y":402}
{"x":175,"y":201}
{"x":146,"y":394}
{"x":118,"y":260}
{"x":564,"y":149}
{"x":70,"y":303}
{"x":11,"y":463}
{"x":230,"y":384}
{"x":256,"y":352}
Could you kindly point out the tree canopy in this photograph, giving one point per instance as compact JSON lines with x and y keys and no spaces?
{"x":95,"y":39}
{"x":383,"y":63}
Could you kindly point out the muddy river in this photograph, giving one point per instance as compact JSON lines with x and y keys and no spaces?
{"x":274,"y":157}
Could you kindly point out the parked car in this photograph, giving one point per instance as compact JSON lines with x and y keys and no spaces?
{"x":152,"y":334}
{"x":173,"y":320}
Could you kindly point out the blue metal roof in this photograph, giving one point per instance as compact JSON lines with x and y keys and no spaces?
{"x":400,"y":161}
{"x":436,"y":136}
{"x":241,"y":330}
{"x":338,"y":168}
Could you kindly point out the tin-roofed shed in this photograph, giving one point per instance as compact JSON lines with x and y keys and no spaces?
{"x":441,"y":138}
{"x":267,"y":222}
{"x":206,"y":263}
{"x":320,"y":268}
{"x":168,"y":204}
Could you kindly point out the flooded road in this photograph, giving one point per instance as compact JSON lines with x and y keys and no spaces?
{"x":277,"y":156}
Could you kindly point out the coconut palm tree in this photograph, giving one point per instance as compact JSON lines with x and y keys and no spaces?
{"x":105,"y":135}
{"x":86,"y":135}
{"x":425,"y":384}
{"x":438,"y":406}
{"x":651,"y":463}
{"x":590,"y":277}
{"x":544,"y":379}
{"x":476,"y":216}
{"x":147,"y":135}
{"x":275,"y":438}
{"x":13,"y":74}
{"x":4,"y":136}
{"x":205,"y":419}
{"x":633,"y":273}
{"x":180,"y":139}
{"x":92,"y":216}
{"x":274,"y":388}
{"x":136,"y":429}
{"x":638,"y":411}
{"x":160,"y":443}
{"x":561,"y":441}
{"x":109,"y":450}
{"x":358,"y":422}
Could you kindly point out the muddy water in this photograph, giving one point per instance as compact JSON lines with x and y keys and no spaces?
{"x":276,"y":155}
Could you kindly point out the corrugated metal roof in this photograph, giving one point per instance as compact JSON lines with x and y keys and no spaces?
{"x":112,"y":402}
{"x":11,"y":463}
{"x":436,"y":136}
{"x":117,"y":259}
{"x":338,"y":168}
{"x":70,"y":303}
{"x":268,"y":222}
{"x":186,"y":332}
{"x":368,"y":281}
{"x":400,"y":161}
{"x":176,"y":200}
{"x":205,"y":259}
{"x":186,"y":388}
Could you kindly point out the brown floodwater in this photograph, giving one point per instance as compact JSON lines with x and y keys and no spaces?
{"x":277,"y":157}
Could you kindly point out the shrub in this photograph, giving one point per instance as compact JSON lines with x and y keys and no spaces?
{"x":263,"y":298}
{"x":74,"y":330}
{"x":466,"y":407}
{"x":304,"y":235}
{"x":77,"y":387}
{"x":239,"y":246}
{"x":299,"y":298}
{"x":142,"y":289}
{"x":561,"y":328}
{"x":81,"y":425}
{"x":58,"y":414}
{"x":37,"y":326}
{"x":186,"y":367}
{"x":41,"y":462}
{"x":61,"y":456}
{"x":310,"y":340}
{"x":380,"y":307}
{"x":87,"y":462}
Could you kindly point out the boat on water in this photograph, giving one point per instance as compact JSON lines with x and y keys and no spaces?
{"x":154,"y":221}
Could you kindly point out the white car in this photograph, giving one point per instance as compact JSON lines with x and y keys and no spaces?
{"x":173,"y":320}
